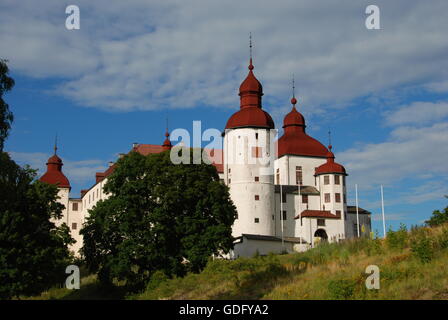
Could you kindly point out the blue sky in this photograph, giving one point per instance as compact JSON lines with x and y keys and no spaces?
{"x":383,"y":93}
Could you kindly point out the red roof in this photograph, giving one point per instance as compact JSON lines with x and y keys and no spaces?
{"x":330,"y":166}
{"x":318,"y":214}
{"x":294,"y":140}
{"x":54,"y":173}
{"x":250,"y":113}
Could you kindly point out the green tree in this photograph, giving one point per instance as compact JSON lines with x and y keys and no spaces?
{"x":6,"y":117}
{"x":33,"y":251}
{"x":159,"y":216}
{"x":438,"y":217}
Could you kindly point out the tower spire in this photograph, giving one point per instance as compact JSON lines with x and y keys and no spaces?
{"x":293,"y":100}
{"x":329,"y":139}
{"x":55,"y":143}
{"x":251,"y":66}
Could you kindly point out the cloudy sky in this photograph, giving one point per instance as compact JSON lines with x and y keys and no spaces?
{"x":382,"y":93}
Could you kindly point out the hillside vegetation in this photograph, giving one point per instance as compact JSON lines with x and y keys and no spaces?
{"x":412,"y":265}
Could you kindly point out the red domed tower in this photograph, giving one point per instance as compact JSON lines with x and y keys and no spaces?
{"x":167,"y":143}
{"x":54,"y":173}
{"x":330,"y":167}
{"x":247,"y":161}
{"x":294,"y":140}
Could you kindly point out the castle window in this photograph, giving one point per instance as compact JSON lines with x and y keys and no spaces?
{"x":75,"y":206}
{"x":257,"y":179}
{"x":338,"y":212}
{"x":321,"y":222}
{"x":74,"y":226}
{"x":256,"y":152}
{"x":337,"y":179}
{"x":337,"y":197}
{"x":230,"y":180}
{"x":299,"y":175}
{"x":284,"y":215}
{"x":256,"y":135}
{"x":326,"y":179}
{"x":257,"y":197}
{"x":230,"y":170}
{"x":277,"y":176}
{"x":273,"y":217}
{"x":345,"y":198}
{"x":304,"y":198}
{"x":236,"y":216}
{"x":327,"y":197}
{"x":257,"y":220}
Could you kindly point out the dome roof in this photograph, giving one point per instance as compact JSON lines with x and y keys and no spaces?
{"x":295,"y":141}
{"x":167,"y":143}
{"x":294,"y":118}
{"x":250,"y":113}
{"x":250,"y":117}
{"x":251,"y":84}
{"x":330,"y":166}
{"x":54,"y":173}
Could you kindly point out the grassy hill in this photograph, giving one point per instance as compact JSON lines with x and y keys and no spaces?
{"x":412,"y":266}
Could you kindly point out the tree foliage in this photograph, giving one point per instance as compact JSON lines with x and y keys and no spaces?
{"x":438,"y":217}
{"x":160,"y":216}
{"x":6,"y":117}
{"x":33,"y":251}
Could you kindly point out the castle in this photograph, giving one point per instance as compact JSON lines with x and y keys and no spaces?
{"x":288,"y":204}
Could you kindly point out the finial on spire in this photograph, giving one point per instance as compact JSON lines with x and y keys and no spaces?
{"x":55,"y":143}
{"x":251,"y":66}
{"x":166,"y":132}
{"x":293,"y":100}
{"x":329,"y":139}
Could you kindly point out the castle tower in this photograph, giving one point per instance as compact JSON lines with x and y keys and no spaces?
{"x":331,"y":183}
{"x":247,"y":171}
{"x":55,"y":176}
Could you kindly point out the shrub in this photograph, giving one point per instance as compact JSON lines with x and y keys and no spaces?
{"x":397,"y":239}
{"x":442,"y":239}
{"x":157,"y":278}
{"x":341,"y":289}
{"x":422,"y":248}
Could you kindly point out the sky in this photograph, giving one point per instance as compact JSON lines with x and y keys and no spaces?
{"x":133,"y":64}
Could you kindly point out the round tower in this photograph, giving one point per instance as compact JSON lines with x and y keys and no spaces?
{"x":55,"y":176}
{"x":248,"y":170}
{"x":331,"y":182}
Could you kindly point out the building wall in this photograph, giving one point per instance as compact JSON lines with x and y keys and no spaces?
{"x":351,"y":223}
{"x":253,"y":199}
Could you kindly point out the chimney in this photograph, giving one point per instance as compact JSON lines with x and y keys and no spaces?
{"x":135,"y":145}
{"x":111,"y":163}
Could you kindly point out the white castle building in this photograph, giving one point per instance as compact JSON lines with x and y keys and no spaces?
{"x":288,"y":204}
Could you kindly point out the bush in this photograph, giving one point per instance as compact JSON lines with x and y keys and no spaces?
{"x":422,"y":249}
{"x":157,"y":278}
{"x":341,"y":289}
{"x":442,"y":239}
{"x":397,"y":239}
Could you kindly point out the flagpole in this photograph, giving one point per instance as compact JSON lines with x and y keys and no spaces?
{"x":357,"y":212}
{"x":281,"y":214}
{"x":382,"y":210}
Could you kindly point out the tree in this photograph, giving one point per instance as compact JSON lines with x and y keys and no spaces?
{"x":438,"y":217}
{"x":159,"y":217}
{"x":6,"y":117}
{"x":33,"y":251}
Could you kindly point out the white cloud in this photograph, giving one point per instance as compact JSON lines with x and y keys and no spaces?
{"x":418,"y":113}
{"x":408,"y":153}
{"x":179,"y":54}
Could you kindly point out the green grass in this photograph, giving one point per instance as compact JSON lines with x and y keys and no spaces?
{"x":412,"y":266}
